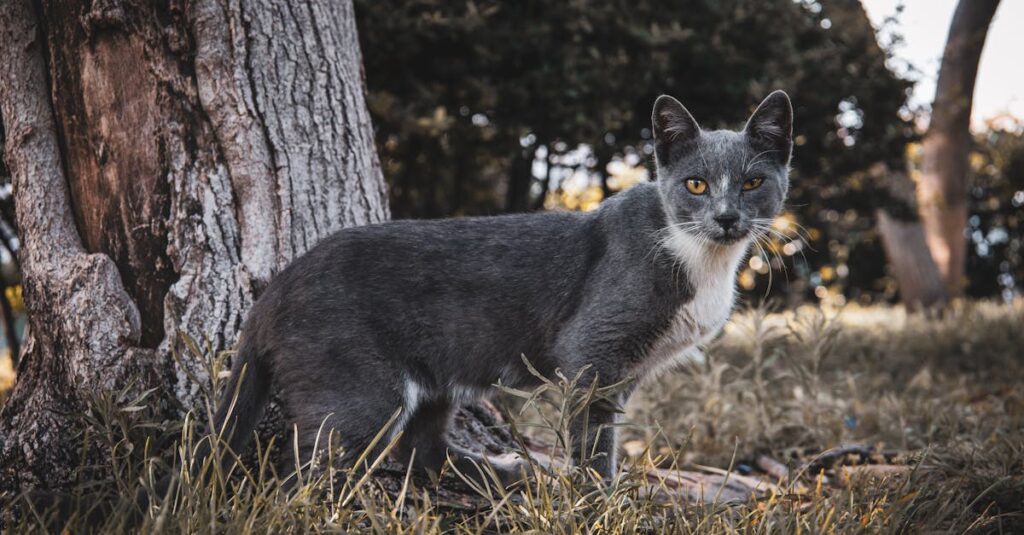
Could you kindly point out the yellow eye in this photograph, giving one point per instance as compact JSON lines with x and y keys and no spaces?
{"x":696,"y":186}
{"x":753,"y":183}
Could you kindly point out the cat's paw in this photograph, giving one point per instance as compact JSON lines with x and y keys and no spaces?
{"x":511,"y":470}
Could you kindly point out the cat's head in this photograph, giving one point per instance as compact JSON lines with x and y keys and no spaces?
{"x":719,"y":184}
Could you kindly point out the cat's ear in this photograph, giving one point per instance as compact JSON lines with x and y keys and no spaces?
{"x":771,"y":126}
{"x":673,"y":125}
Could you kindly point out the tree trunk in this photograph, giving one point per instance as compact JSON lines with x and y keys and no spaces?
{"x":928,"y":256}
{"x":920,"y":283}
{"x":167,"y":159}
{"x":910,"y":262}
{"x":942,"y":190}
{"x":909,"y":259}
{"x":520,"y":178}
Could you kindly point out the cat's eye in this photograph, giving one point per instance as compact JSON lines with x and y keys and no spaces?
{"x":696,"y":186}
{"x":753,"y":183}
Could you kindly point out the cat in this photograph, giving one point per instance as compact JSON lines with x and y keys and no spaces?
{"x":424,"y":316}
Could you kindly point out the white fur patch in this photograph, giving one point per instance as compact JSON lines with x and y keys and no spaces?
{"x":411,"y":399}
{"x":711,"y":269}
{"x":464,"y":395}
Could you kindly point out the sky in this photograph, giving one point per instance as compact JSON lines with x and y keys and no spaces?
{"x":924,"y":24}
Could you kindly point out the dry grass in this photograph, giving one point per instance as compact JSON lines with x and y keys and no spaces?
{"x":945,"y":390}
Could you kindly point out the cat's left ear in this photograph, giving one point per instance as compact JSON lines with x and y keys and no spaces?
{"x":771,"y":126}
{"x":673,"y":127}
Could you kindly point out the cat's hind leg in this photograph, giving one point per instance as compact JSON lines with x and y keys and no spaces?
{"x":335,"y":418}
{"x":423,"y":442}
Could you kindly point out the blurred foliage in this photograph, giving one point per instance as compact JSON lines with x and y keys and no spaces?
{"x":995,"y":262}
{"x":12,"y":303}
{"x":483,"y":107}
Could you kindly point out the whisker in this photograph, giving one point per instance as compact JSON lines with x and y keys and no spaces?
{"x":700,"y":150}
{"x":782,"y":262}
{"x":782,"y":236}
{"x":755,"y":159}
{"x":806,"y":232}
{"x":799,"y":232}
{"x":757,"y":242}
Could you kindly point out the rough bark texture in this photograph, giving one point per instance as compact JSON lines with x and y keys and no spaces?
{"x":167,"y":160}
{"x":942,"y":190}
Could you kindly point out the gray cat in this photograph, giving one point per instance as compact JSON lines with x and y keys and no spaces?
{"x":427,"y":315}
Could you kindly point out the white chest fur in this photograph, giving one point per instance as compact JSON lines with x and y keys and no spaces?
{"x":711,"y":270}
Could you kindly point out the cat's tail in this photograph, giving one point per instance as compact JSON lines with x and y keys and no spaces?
{"x":240,"y":409}
{"x":244,"y":400}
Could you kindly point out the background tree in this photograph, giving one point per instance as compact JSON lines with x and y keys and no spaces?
{"x":481,"y":107}
{"x":167,"y":159}
{"x":943,"y":187}
{"x":10,"y":283}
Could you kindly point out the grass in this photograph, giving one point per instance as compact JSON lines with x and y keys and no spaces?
{"x":944,"y":392}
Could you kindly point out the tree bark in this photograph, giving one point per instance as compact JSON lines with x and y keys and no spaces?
{"x":910,"y":262}
{"x":167,"y":160}
{"x":919,"y":281}
{"x":942,"y":190}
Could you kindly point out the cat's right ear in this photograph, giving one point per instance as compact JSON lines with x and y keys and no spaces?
{"x":673,"y":126}
{"x":771,"y":126}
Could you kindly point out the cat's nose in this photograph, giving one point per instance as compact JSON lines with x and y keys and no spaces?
{"x":727,"y":221}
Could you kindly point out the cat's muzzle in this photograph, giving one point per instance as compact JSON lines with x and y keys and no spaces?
{"x":730,"y":236}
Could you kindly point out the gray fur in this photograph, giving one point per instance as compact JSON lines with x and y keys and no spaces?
{"x":426,"y":315}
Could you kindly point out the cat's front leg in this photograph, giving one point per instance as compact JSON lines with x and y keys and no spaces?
{"x":595,"y":436}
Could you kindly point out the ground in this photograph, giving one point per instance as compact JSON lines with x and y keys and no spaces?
{"x":933,"y":404}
